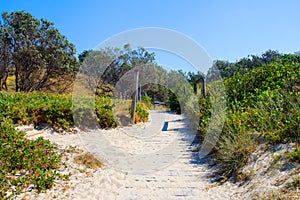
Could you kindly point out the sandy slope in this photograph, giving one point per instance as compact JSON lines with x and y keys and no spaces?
{"x":141,"y":162}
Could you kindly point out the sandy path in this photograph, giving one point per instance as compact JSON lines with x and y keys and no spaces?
{"x":142,"y":162}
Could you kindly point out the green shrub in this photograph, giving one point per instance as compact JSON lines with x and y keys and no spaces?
{"x":264,"y":101}
{"x":25,"y":162}
{"x":234,"y":147}
{"x":294,"y":156}
{"x":147,"y":101}
{"x":204,"y":115}
{"x":174,"y":103}
{"x":104,"y":112}
{"x":27,"y":108}
{"x":244,"y":89}
{"x":276,"y":115}
{"x":141,"y":114}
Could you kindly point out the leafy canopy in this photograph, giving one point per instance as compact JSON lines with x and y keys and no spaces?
{"x":35,"y":52}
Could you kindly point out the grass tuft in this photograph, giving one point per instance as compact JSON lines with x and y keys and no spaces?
{"x":88,"y":160}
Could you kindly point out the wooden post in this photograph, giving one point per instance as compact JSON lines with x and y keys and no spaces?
{"x":203,"y":87}
{"x":196,"y":87}
{"x":140,"y":93}
{"x":134,"y":96}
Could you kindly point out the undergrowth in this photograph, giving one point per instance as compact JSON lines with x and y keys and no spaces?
{"x":35,"y":108}
{"x":262,"y":105}
{"x":141,"y":112}
{"x":25,"y":162}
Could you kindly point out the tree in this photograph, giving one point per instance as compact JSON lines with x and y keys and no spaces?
{"x":270,"y":56}
{"x":83,"y":55}
{"x":126,"y":59}
{"x":227,"y":69}
{"x":42,"y":58}
{"x":223,"y":68}
{"x":5,"y":57}
{"x":193,"y":77}
{"x":105,"y":67}
{"x":157,"y":90}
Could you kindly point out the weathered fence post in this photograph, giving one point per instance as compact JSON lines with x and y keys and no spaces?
{"x":134,"y":96}
{"x":140,"y":93}
{"x":203,"y":86}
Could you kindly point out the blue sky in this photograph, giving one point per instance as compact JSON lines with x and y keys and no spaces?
{"x":227,"y":30}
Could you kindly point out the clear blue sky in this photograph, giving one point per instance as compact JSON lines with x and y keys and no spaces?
{"x":227,"y":29}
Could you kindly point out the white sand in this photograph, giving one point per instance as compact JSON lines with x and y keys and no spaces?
{"x":176,"y":174}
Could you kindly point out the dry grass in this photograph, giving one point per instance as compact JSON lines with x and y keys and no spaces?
{"x":82,"y":86}
{"x":65,"y":86}
{"x":121,"y":108}
{"x":88,"y":160}
{"x":292,"y":195}
{"x":160,"y":107}
{"x":11,"y":84}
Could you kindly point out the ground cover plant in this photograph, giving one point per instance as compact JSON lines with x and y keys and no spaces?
{"x":55,"y":109}
{"x":25,"y":162}
{"x":263,"y":104}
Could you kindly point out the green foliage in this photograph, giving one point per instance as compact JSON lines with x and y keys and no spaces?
{"x":40,"y":57}
{"x":118,"y":62}
{"x":37,"y":108}
{"x":56,"y":110}
{"x":227,"y":69}
{"x":141,"y":113}
{"x":262,"y":97}
{"x":174,"y":103}
{"x":235,"y":145}
{"x":147,"y":101}
{"x":244,"y":89}
{"x":294,"y":156}
{"x":24,"y":162}
{"x":268,"y":96}
{"x":157,"y":92}
{"x":204,"y":114}
{"x":104,"y":112}
{"x":276,"y":115}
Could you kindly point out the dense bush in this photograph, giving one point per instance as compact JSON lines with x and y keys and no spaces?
{"x":204,"y":115}
{"x":268,"y":97}
{"x":244,"y":89}
{"x":276,"y":115}
{"x":235,"y":145}
{"x":141,"y":113}
{"x":174,"y":103}
{"x":37,"y":108}
{"x":147,"y":101}
{"x":264,"y":100}
{"x":27,"y":108}
{"x":25,"y":162}
{"x":104,"y":112}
